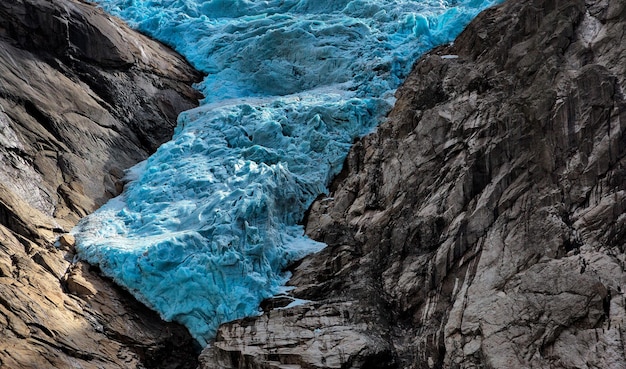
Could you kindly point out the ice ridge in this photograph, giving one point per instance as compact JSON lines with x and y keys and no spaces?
{"x":206,"y":225}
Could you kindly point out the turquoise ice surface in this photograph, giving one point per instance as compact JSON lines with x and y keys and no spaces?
{"x":206,"y":225}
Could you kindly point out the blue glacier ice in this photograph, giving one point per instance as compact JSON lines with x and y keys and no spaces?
{"x":206,"y":225}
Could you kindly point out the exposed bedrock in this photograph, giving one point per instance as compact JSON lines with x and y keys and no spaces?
{"x":82,"y":97}
{"x":481,"y":226}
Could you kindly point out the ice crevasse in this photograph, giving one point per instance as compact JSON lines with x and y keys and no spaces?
{"x":207,"y":224}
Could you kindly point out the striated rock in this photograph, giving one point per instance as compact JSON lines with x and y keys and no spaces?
{"x":77,"y":284}
{"x":80,"y":94}
{"x":67,"y":242}
{"x":317,"y":334}
{"x":481,"y":226}
{"x":82,"y":98}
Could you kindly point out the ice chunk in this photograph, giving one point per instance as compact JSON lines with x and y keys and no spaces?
{"x":207,"y":224}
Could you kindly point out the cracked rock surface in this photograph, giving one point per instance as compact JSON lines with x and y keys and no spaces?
{"x":82,"y":97}
{"x":483,"y":225}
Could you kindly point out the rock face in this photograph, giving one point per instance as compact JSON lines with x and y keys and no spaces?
{"x":483,"y":225}
{"x":82,"y":97}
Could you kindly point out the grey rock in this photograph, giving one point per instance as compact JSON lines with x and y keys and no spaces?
{"x":317,"y":334}
{"x":482,"y":225}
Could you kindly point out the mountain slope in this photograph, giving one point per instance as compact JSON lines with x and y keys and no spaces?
{"x":82,"y":97}
{"x":482,"y":225}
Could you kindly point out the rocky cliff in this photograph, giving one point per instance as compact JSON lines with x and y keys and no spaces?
{"x":481,"y":226}
{"x":82,"y":97}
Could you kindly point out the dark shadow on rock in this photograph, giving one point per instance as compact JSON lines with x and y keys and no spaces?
{"x":82,"y":98}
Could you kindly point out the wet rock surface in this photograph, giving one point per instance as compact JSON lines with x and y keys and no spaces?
{"x":481,"y":226}
{"x":82,"y":97}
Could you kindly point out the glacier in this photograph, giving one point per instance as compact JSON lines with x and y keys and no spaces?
{"x":206,"y":226}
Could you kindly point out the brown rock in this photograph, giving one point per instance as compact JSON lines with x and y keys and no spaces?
{"x":77,"y":284}
{"x":52,"y":262}
{"x":67,"y":242}
{"x":81,"y":99}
